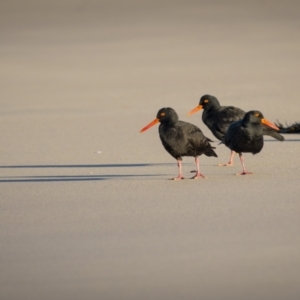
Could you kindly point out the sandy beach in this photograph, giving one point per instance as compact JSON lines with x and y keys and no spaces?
{"x":86,"y":207}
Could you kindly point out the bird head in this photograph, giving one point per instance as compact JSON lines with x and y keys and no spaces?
{"x":255,"y":116}
{"x":206,"y":101}
{"x":164,"y":115}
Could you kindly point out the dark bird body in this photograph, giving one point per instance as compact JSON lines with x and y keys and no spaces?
{"x":218,"y":119}
{"x":181,"y":138}
{"x":246,"y":135}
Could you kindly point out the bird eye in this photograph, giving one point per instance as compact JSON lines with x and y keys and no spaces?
{"x":162,"y":114}
{"x":205,"y":101}
{"x":256,"y":115}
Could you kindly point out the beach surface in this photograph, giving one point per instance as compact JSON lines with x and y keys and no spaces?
{"x":87,"y":210}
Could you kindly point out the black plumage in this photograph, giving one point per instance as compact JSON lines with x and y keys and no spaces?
{"x":218,"y":118}
{"x":294,"y":128}
{"x":181,"y":139}
{"x":246,"y":135}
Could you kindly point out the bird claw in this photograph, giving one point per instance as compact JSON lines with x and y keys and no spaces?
{"x":229,"y":164}
{"x":177,"y":178}
{"x":244,"y":173}
{"x":198,"y":176}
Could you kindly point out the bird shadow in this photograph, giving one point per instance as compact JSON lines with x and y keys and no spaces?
{"x":82,"y":166}
{"x":285,"y":140}
{"x":89,"y":177}
{"x":58,"y":178}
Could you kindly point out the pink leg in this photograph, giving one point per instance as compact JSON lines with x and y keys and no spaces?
{"x":179,"y":177}
{"x":243,"y":165}
{"x":198,"y":174}
{"x":230,"y":163}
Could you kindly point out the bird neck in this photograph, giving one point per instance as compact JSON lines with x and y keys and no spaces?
{"x":213,"y":106}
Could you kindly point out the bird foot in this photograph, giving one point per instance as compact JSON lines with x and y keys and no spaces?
{"x":229,"y":164}
{"x":198,"y":175}
{"x":244,"y":173}
{"x":177,"y":178}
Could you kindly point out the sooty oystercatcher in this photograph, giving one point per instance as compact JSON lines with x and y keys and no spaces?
{"x":181,"y":139}
{"x":218,"y":118}
{"x":246,"y":135}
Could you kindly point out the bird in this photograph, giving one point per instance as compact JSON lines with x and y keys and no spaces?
{"x":218,"y":118}
{"x":180,"y":138}
{"x":246,"y":135}
{"x":294,"y":128}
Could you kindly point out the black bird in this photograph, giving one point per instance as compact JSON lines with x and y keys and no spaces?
{"x":246,"y":135}
{"x":181,"y":139}
{"x":294,"y":128}
{"x":218,"y":118}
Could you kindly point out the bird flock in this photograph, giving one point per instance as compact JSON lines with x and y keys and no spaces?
{"x":242,"y":132}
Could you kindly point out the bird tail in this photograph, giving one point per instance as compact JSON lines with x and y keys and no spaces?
{"x":209,"y":151}
{"x":294,"y":128}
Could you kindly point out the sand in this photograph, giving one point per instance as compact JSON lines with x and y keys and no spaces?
{"x":87,"y":210}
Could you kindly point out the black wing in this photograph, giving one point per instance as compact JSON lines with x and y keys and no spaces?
{"x":225,"y":117}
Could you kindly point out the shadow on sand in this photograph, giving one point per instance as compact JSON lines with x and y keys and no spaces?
{"x":89,"y":177}
{"x":58,"y":178}
{"x":83,"y":166}
{"x":285,"y":140}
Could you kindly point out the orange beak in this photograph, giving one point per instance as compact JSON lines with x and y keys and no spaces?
{"x":270,"y":124}
{"x":150,"y":125}
{"x":199,"y":107}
